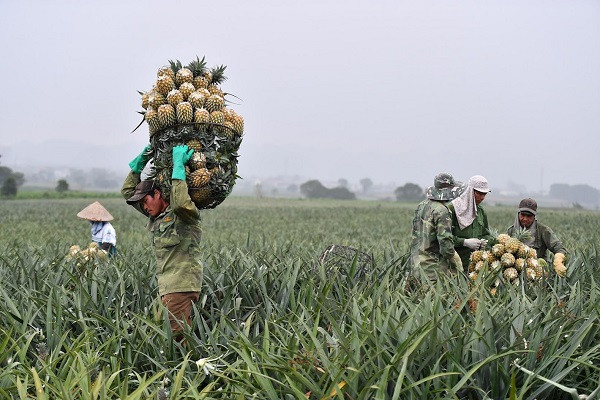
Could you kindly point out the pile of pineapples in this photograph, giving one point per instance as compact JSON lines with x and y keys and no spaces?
{"x":187,"y":106}
{"x":90,"y":255}
{"x":507,"y":259}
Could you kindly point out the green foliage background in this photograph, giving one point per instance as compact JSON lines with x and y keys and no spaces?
{"x":276,"y":325}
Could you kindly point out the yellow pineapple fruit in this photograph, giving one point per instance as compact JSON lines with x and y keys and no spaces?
{"x":498,"y":250}
{"x":238,"y":124}
{"x":164,"y":84}
{"x":198,"y":178}
{"x":197,"y":161}
{"x":165,"y":70}
{"x":507,"y":260}
{"x":186,"y":88}
{"x":200,"y":82}
{"x":495,"y":265}
{"x":196,"y":99}
{"x":523,"y":250}
{"x":183,"y":75}
{"x":531,"y":274}
{"x":217,"y":117}
{"x":204,"y":93}
{"x":519,"y":264}
{"x":214,"y":103}
{"x":175,"y":97}
{"x":477,"y":256}
{"x":166,"y":115}
{"x":201,"y":116}
{"x":478,"y":266}
{"x":145,"y":102}
{"x":512,"y":245}
{"x":195,"y":145}
{"x":503,"y":237}
{"x":151,"y":117}
{"x":200,"y":196}
{"x":155,"y":99}
{"x":511,"y":274}
{"x":214,"y":89}
{"x":532,"y":253}
{"x":185,"y":113}
{"x":532,"y":263}
{"x":473,"y":275}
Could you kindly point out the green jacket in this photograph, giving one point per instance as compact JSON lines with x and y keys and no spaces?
{"x":478,"y":229}
{"x":545,"y":240}
{"x":432,"y":246}
{"x":176,"y":237}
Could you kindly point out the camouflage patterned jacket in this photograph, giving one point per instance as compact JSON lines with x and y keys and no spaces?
{"x":176,"y":239}
{"x":432,"y":246}
{"x":545,"y":239}
{"x":479,"y":229}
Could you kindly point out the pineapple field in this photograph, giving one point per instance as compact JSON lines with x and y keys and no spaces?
{"x":273,"y":322}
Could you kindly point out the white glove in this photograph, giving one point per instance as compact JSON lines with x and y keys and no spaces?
{"x":472,"y":244}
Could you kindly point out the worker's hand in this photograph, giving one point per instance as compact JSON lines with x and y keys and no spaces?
{"x":559,"y":265}
{"x":483,"y":243}
{"x":472,"y":243}
{"x":455,"y":262}
{"x":138,"y":163}
{"x":181,"y":155}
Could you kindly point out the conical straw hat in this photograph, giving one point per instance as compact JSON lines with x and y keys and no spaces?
{"x":95,"y":212}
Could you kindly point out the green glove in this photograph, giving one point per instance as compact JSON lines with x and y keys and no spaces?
{"x":181,"y":155}
{"x":138,"y":163}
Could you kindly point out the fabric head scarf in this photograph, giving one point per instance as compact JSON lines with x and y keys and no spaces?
{"x":464,"y":205}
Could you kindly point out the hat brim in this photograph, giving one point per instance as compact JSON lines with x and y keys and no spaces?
{"x":137,"y":197}
{"x":528,"y":210}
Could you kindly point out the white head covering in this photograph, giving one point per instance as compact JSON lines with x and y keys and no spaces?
{"x":464,"y":205}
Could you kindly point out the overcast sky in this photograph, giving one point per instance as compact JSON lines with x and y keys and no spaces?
{"x":396,"y":91}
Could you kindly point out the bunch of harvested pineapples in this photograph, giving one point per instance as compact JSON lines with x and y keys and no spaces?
{"x":187,"y":106}
{"x":507,"y":259}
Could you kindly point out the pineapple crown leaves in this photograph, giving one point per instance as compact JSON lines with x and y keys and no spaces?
{"x":175,"y":65}
{"x":522,"y":234}
{"x":218,"y":74}
{"x":197,"y":66}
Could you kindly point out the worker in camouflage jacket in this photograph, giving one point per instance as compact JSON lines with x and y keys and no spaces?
{"x":542,"y":239}
{"x":432,"y":247}
{"x":175,"y":227}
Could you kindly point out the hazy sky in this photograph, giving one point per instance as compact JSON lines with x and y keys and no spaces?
{"x":390,"y":90}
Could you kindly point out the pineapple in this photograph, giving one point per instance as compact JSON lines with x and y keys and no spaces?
{"x":183,"y":75}
{"x":507,"y":260}
{"x":493,"y":291}
{"x":145,"y":102}
{"x":200,"y":82}
{"x":477,"y":256}
{"x":498,"y":250}
{"x":502,"y":238}
{"x":473,"y":275}
{"x":512,"y":245}
{"x":532,"y":263}
{"x":166,"y":115}
{"x":166,"y":70}
{"x":217,"y":117}
{"x":531,"y":274}
{"x":478,"y":266}
{"x":185,"y":113}
{"x":197,"y":99}
{"x":200,"y":195}
{"x":175,"y":97}
{"x":214,"y":89}
{"x":204,"y":92}
{"x":532,"y":253}
{"x":198,"y":178}
{"x":186,"y":88}
{"x":201,"y":116}
{"x":511,"y":274}
{"x":523,"y":251}
{"x":485,"y":255}
{"x":495,"y":265}
{"x":197,"y":161}
{"x":519,"y":264}
{"x":238,"y":124}
{"x":229,"y":130}
{"x":195,"y":145}
{"x":155,"y":99}
{"x":151,"y":117}
{"x":165,"y":84}
{"x":214,"y":103}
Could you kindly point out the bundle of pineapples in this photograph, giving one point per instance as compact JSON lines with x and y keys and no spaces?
{"x":90,"y":255}
{"x":507,"y":259}
{"x":187,"y":106}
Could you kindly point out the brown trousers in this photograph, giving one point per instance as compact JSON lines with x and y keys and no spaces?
{"x":180,"y":306}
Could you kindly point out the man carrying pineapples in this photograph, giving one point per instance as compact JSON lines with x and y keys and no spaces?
{"x":542,"y":238}
{"x":175,"y":227}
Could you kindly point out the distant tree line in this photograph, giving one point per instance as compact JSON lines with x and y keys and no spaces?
{"x":575,"y":193}
{"x":314,"y":189}
{"x":10,"y":181}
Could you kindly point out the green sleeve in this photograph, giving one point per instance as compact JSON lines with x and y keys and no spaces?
{"x":552,"y":242}
{"x":128,"y":189}
{"x":457,"y":240}
{"x":486,"y":234}
{"x":181,"y":204}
